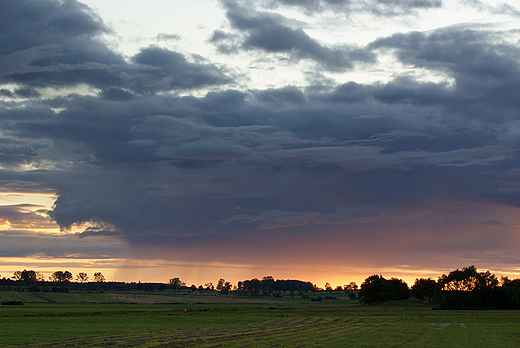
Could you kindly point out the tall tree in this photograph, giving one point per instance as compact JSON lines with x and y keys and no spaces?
{"x":328,"y":287}
{"x":99,"y":277}
{"x":82,"y":277}
{"x":467,"y":279}
{"x":61,"y":276}
{"x":378,"y":289}
{"x":220,"y":284}
{"x":226,"y":288}
{"x":28,"y":276}
{"x":424,"y":289}
{"x":176,"y":283}
{"x":468,"y":288}
{"x":351,"y":286}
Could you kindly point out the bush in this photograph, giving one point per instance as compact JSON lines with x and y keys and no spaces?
{"x":59,"y":289}
{"x":12,"y":303}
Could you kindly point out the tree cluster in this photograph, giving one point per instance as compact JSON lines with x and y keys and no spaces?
{"x":28,"y":276}
{"x":464,"y":288}
{"x":378,"y":289}
{"x":469,"y":289}
{"x":267,"y":285}
{"x":58,"y":281}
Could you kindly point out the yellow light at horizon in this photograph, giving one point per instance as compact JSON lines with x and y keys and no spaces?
{"x":43,"y":200}
{"x":47,"y":265}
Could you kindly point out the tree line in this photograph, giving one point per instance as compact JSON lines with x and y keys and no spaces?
{"x":465,"y":288}
{"x":58,"y":276}
{"x":35,"y":281}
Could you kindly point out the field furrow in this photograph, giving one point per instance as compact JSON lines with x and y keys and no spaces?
{"x":277,"y":332}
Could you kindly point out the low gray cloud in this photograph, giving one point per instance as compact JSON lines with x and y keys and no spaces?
{"x":167,"y":37}
{"x":162,"y":69}
{"x":57,"y":44}
{"x":497,"y":8}
{"x":25,"y":216}
{"x":57,"y":245}
{"x":385,"y":8}
{"x":271,"y":33}
{"x":486,"y":73}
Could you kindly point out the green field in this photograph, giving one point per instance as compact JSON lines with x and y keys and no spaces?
{"x":180,"y":320}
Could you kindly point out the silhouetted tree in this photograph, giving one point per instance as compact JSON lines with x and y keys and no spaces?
{"x":350,"y":289}
{"x":424,"y":289}
{"x":467,"y":288}
{"x":223,"y":286}
{"x":467,"y":279}
{"x":220,"y":284}
{"x":82,"y":277}
{"x":507,"y":296}
{"x":401,"y":291}
{"x":253,"y":286}
{"x":61,"y":276}
{"x":328,"y":288}
{"x":267,"y":284}
{"x":176,"y":283}
{"x":378,"y":289}
{"x":28,"y":276}
{"x":99,"y":277}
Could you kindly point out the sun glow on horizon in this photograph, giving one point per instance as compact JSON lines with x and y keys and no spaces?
{"x":160,"y":271}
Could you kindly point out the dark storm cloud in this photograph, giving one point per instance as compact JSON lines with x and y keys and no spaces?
{"x":279,"y":164}
{"x":171,"y":168}
{"x":52,"y":43}
{"x":271,"y":33}
{"x":116,"y":94}
{"x":57,"y":44}
{"x":218,"y":170}
{"x":486,"y":73}
{"x":25,"y":92}
{"x":98,"y":231}
{"x":162,"y":69}
{"x":282,"y":96}
{"x":19,"y":243}
{"x":32,"y":23}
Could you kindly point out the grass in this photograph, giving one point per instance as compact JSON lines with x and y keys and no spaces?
{"x":97,"y":320}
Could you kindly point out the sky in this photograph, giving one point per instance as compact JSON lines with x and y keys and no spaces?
{"x":320,"y":140}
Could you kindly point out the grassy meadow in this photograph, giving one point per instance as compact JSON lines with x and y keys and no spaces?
{"x":183,"y":320}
